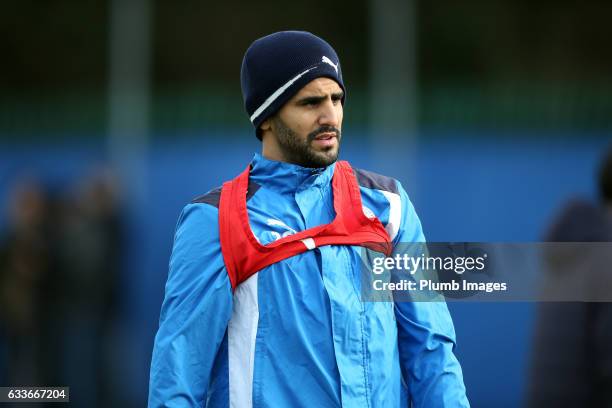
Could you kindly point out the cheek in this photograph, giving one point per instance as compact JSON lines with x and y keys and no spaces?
{"x":305,"y":123}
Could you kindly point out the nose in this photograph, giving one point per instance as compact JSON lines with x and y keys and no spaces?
{"x":330,"y":114}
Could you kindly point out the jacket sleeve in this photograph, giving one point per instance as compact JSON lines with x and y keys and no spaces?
{"x":426,"y":337}
{"x":195,"y":312}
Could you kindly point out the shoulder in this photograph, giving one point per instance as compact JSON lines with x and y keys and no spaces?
{"x":196,"y":237}
{"x":213,"y":196}
{"x":388,"y":200}
{"x":375,"y":181}
{"x":197,"y":220}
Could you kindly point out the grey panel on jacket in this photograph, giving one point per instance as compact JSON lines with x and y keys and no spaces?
{"x":214,"y":195}
{"x":376,"y":181}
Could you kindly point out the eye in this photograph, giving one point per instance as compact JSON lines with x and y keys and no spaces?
{"x":310,"y":102}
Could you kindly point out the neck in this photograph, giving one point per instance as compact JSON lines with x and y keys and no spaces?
{"x":272,"y":151}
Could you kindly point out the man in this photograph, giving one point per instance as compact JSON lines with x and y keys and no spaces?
{"x":262,"y":304}
{"x":571,"y":363}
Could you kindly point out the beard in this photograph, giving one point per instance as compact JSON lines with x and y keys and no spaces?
{"x":301,"y":152}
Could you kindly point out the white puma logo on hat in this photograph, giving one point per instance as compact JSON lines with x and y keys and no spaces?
{"x":328,"y":61}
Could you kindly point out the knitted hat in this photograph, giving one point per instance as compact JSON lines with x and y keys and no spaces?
{"x":277,"y":66}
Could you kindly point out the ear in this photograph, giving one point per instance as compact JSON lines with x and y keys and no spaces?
{"x":266,"y":125}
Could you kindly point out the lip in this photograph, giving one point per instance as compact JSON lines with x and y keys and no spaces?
{"x":325,"y":140}
{"x":325,"y":136}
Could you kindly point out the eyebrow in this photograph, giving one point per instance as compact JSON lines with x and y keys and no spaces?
{"x":316,"y":99}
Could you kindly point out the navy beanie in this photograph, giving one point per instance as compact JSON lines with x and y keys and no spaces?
{"x":277,"y":66}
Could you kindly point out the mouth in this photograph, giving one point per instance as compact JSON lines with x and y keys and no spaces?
{"x":326,"y":136}
{"x":325,"y":140}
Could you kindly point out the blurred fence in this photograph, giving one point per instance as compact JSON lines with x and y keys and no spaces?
{"x":478,"y":105}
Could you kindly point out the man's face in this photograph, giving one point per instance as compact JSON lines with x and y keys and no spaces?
{"x":307,"y":128}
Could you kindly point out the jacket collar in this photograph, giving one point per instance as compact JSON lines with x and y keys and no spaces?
{"x":287,"y":177}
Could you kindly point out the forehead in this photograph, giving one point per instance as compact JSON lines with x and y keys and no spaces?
{"x":319,"y":86}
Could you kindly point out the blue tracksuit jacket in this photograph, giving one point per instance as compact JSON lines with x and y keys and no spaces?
{"x":296,"y":334}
